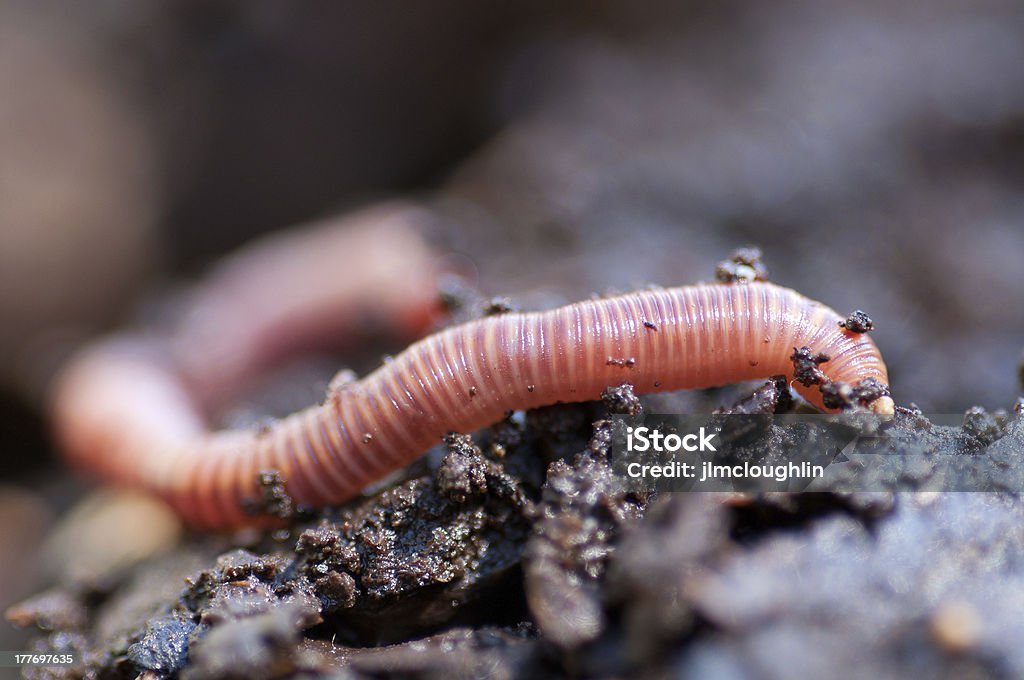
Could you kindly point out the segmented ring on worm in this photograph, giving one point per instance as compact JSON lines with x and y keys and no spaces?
{"x":124,"y":412}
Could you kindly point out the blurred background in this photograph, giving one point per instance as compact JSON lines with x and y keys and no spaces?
{"x":873,"y":150}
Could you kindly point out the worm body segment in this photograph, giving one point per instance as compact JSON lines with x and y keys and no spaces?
{"x":129,"y":416}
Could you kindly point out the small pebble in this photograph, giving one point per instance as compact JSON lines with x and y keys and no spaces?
{"x":956,"y":627}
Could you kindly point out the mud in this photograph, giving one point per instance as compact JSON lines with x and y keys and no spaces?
{"x":516,"y":554}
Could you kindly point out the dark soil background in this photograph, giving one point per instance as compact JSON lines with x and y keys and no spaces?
{"x":873,"y":150}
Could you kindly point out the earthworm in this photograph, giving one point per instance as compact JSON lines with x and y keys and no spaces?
{"x":123,"y":408}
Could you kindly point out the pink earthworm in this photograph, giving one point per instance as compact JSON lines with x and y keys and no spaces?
{"x":124,"y":409}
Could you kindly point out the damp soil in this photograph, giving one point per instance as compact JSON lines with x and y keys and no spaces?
{"x":514,"y":553}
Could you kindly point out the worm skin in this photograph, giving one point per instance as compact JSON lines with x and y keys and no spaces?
{"x":143,"y":427}
{"x":304,"y":290}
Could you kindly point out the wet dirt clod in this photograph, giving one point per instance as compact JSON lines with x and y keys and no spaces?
{"x":805,"y":366}
{"x":837,"y":394}
{"x":857,"y":322}
{"x":742,"y":265}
